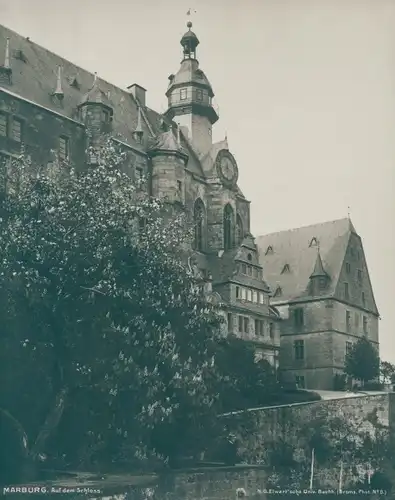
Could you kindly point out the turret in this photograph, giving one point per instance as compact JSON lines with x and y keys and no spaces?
{"x":319,"y":278}
{"x":190,"y":97}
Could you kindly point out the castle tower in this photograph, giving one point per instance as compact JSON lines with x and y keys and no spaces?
{"x":190,"y":97}
{"x":168,"y":161}
{"x":96,"y":111}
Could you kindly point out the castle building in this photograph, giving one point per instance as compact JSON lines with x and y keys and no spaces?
{"x":322,"y":291}
{"x":48,"y":104}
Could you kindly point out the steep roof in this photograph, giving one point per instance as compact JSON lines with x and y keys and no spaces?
{"x":298,"y":249}
{"x":34,"y":77}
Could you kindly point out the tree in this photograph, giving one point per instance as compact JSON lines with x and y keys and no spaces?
{"x":387,"y":371}
{"x":113,"y":320}
{"x":362,"y":362}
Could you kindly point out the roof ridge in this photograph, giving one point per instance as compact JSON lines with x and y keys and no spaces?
{"x":305,"y":227}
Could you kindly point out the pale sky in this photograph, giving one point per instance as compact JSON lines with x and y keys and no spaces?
{"x":306,"y":95}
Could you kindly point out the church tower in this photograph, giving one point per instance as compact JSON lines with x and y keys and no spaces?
{"x":190,"y":98}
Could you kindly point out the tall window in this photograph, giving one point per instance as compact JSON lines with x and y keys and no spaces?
{"x":243,"y":324}
{"x":299,"y":317}
{"x":271,"y":330}
{"x":183,"y":94}
{"x":3,"y":124}
{"x":199,"y":221}
{"x":228,"y":227}
{"x":199,"y":94}
{"x":230,"y":322}
{"x":346,"y":292}
{"x":64,"y":148}
{"x":16,"y":130}
{"x":239,"y":230}
{"x":348,"y":321}
{"x":259,"y":327}
{"x":348,"y":347}
{"x":299,"y":349}
{"x":365,"y":325}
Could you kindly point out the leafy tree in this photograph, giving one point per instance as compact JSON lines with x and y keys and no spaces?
{"x":387,"y":371}
{"x":362,"y":362}
{"x":112,"y":319}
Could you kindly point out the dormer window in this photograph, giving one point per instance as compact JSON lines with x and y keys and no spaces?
{"x":285,"y":269}
{"x":278,"y":292}
{"x":313,"y":242}
{"x":20,"y":55}
{"x":74,"y":83}
{"x":269,"y":250}
{"x":183,"y":94}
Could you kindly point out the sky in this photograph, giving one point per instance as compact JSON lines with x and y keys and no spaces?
{"x":305,"y":90}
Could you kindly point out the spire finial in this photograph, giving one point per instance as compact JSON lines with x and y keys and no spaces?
{"x":138,"y":132}
{"x":7,"y":64}
{"x":59,"y":91}
{"x":349,"y":212}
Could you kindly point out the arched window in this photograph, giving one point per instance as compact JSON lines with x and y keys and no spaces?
{"x":199,"y":218}
{"x":239,"y":230}
{"x":228,"y":227}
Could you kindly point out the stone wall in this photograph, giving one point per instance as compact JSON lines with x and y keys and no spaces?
{"x":267,"y":429}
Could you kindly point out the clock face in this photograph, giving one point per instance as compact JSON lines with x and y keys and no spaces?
{"x":227,"y":168}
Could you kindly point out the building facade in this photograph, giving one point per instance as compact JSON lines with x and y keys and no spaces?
{"x":50,"y":106}
{"x":322,"y":291}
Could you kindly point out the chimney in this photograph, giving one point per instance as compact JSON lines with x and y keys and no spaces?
{"x":138,"y":93}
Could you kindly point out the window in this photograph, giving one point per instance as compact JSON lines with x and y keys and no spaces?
{"x":249,"y":270}
{"x":261,"y":298}
{"x":249,"y":295}
{"x":348,"y":321}
{"x":259,"y":327}
{"x":356,"y":321}
{"x":348,"y":267}
{"x":249,"y":257}
{"x":243,"y":324}
{"x":237,"y":292}
{"x":16,"y":130}
{"x":3,"y":124}
{"x":199,"y":94}
{"x":138,"y":172}
{"x":244,"y":268}
{"x":363,"y":299}
{"x":255,"y":296}
{"x":200,"y":224}
{"x":106,"y":116}
{"x":269,"y":250}
{"x":346,"y":292}
{"x":299,"y":380}
{"x":348,"y":347}
{"x":299,"y":349}
{"x":299,"y":317}
{"x":256,"y":273}
{"x":183,"y":94}
{"x":359,"y":274}
{"x":365,"y":325}
{"x":230,"y":322}
{"x":271,"y":330}
{"x":228,"y":227}
{"x":243,"y":294}
{"x":64,"y":148}
{"x":239,"y":230}
{"x":179,"y":186}
{"x":285,"y":269}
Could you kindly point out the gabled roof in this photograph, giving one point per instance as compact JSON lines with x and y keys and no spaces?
{"x":292,"y":247}
{"x":36,"y":78}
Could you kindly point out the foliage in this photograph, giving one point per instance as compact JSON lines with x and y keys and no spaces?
{"x":109,"y":305}
{"x":387,"y":371}
{"x":362,"y":362}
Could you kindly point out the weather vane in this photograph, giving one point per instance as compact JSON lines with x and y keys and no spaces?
{"x":191,"y":11}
